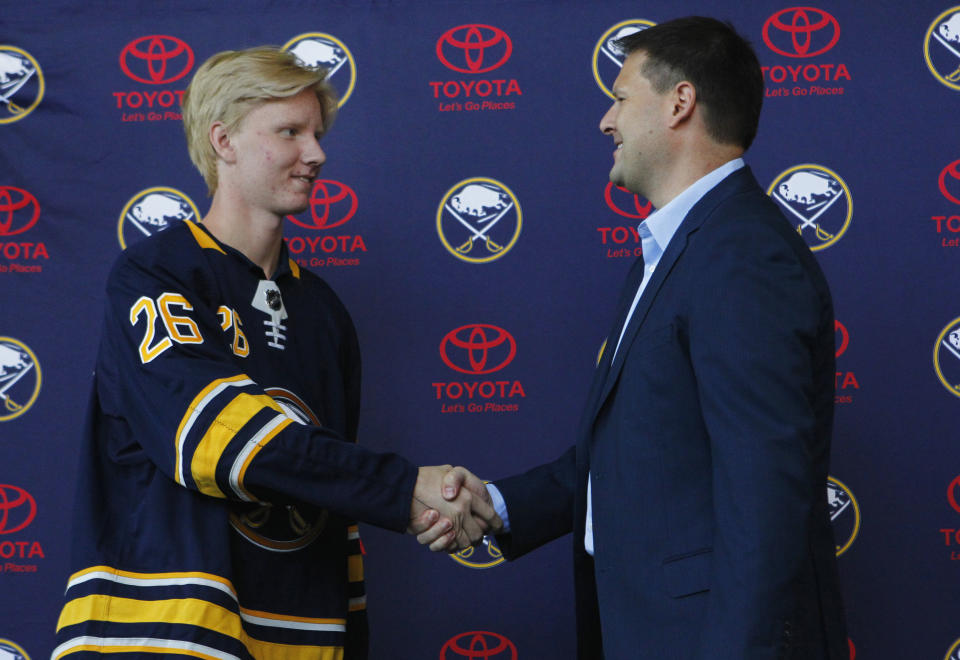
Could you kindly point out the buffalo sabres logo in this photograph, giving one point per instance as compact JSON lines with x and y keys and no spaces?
{"x":151,"y":211}
{"x":282,"y":528}
{"x":19,"y":378}
{"x":608,"y":57}
{"x":479,"y":220}
{"x":844,"y":514}
{"x":819,"y":199}
{"x":941,"y":48}
{"x":21,"y":84}
{"x":946,"y":357}
{"x":319,"y":50}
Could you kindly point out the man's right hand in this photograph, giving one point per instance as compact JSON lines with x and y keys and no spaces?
{"x":440,"y":535}
{"x":465,"y":511}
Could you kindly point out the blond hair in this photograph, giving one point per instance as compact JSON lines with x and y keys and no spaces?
{"x":230,"y":84}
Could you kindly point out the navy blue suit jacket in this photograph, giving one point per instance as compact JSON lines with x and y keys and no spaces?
{"x":707,"y":440}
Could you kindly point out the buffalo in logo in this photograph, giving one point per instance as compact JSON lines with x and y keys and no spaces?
{"x":316,"y":53}
{"x":12,"y":361}
{"x":158,"y":210}
{"x":15,"y":71}
{"x":837,"y":500}
{"x":954,"y":338}
{"x":13,"y":67}
{"x":480,"y":201}
{"x":809,"y":188}
{"x":950,"y":28}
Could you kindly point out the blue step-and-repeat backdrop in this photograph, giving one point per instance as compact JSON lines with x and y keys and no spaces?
{"x":466,"y":219}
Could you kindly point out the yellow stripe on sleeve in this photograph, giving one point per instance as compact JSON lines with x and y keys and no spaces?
{"x":206,"y":395}
{"x":221,"y":431}
{"x":355,"y":568}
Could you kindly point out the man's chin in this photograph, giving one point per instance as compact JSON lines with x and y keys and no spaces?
{"x":296,"y":210}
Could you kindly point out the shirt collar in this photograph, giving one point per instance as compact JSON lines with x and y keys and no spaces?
{"x":284,"y":263}
{"x":662,"y":224}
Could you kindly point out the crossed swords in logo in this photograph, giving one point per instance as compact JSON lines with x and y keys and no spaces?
{"x":805,"y":222}
{"x":7,"y":95}
{"x":479,"y":233}
{"x":491,"y":547}
{"x":8,"y":402}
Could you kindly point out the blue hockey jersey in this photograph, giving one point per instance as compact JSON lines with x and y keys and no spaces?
{"x":219,"y":478}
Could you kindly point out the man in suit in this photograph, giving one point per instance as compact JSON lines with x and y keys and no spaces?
{"x":696,"y":490}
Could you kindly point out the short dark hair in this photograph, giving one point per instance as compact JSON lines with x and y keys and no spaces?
{"x":719,"y":63}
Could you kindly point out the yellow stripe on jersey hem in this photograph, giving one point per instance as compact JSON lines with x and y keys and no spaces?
{"x":174,"y":647}
{"x":218,"y":436}
{"x":141,"y":645}
{"x":202,"y":239}
{"x":196,"y":612}
{"x":274,"y":619}
{"x":152,"y":579}
{"x":196,"y":407}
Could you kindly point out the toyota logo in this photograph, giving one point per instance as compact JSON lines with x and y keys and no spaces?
{"x":952,"y":491}
{"x":478,"y":349}
{"x":844,"y":337}
{"x":476,"y":48}
{"x":950,"y":176}
{"x":801,"y":32}
{"x":624,"y":198}
{"x":479,"y":645}
{"x":325,"y":195}
{"x":17,"y":509}
{"x":158,"y":59}
{"x":17,"y":204}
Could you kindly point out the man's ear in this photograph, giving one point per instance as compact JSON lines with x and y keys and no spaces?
{"x":221,"y":142}
{"x":684,"y":100}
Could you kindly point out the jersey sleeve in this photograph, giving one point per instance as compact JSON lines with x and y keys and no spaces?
{"x":166,"y":369}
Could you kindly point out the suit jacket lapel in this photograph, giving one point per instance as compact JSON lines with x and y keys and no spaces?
{"x":678,"y":244}
{"x":627,"y":293}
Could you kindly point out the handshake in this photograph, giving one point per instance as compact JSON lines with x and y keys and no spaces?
{"x":451,"y":509}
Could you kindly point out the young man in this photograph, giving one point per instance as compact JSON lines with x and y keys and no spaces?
{"x":220,"y":481}
{"x":696,"y":490}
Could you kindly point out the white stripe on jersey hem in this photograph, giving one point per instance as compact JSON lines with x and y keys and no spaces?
{"x":151,"y":582}
{"x":353,"y":535}
{"x":252,"y":444}
{"x":294,"y":625}
{"x":68,"y":646}
{"x":193,"y":418}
